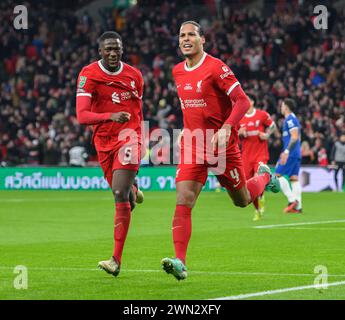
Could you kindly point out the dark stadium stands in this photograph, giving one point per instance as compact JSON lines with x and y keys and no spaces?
{"x":274,"y":54}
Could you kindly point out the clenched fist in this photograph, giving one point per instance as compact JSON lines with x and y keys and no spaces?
{"x":120,"y":117}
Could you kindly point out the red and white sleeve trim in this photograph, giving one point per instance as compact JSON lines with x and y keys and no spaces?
{"x":84,"y":95}
{"x":232,"y":87}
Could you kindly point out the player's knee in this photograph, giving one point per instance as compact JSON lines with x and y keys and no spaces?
{"x":121,"y":195}
{"x":241,"y":203}
{"x":186,"y":198}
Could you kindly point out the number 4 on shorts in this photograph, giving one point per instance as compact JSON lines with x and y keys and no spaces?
{"x":235,"y":175}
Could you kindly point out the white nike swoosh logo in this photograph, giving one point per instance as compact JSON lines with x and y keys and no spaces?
{"x":175,"y":227}
{"x":179,"y":85}
{"x":109,"y":83}
{"x":116,"y":225}
{"x":235,"y":185}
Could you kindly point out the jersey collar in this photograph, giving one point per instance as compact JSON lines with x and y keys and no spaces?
{"x":250,"y":115}
{"x":197,"y":65}
{"x":109,"y":72}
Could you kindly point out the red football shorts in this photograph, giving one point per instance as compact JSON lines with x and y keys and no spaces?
{"x":251,"y":168}
{"x":125,"y":157}
{"x":232,"y":178}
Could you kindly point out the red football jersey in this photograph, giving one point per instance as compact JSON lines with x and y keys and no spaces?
{"x":204,"y":91}
{"x":253,"y":148}
{"x":112,"y":92}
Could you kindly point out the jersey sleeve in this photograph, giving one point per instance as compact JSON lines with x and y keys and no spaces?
{"x":141,"y":85}
{"x":292,"y":123}
{"x":141,"y":92}
{"x":267,"y":120}
{"x":86,"y":87}
{"x":85,"y":84}
{"x":224,"y":78}
{"x":226,"y":81}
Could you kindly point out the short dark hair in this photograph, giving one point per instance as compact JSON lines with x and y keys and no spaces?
{"x":291,"y":104}
{"x":252,"y":97}
{"x":200,"y":30}
{"x":109,"y":35}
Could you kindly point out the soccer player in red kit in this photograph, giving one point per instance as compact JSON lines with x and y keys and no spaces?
{"x":255,"y":128}
{"x":211,"y":98}
{"x":109,"y":97}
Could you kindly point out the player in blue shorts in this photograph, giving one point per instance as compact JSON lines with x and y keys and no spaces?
{"x":290,"y":159}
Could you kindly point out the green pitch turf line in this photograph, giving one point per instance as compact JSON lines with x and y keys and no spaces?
{"x":272,"y":292}
{"x":297,"y":224}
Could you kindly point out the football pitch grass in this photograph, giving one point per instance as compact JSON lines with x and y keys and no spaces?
{"x":60,"y":237}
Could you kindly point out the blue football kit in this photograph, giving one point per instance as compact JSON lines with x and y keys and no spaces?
{"x":293,"y":163}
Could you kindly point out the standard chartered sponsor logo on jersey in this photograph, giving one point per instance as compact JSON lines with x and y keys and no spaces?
{"x":126,"y":95}
{"x":117,"y":97}
{"x":194,"y":103}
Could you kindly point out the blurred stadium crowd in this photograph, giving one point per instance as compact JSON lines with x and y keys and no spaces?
{"x":276,"y":54}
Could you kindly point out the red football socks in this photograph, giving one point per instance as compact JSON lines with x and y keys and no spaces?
{"x":182,"y":230}
{"x":121,"y":225}
{"x":256,"y":185}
